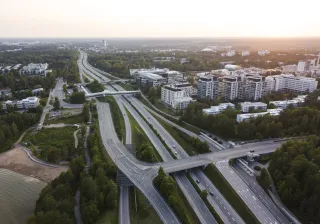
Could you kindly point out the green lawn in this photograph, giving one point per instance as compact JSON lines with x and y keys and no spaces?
{"x":143,"y":213}
{"x":230,"y":195}
{"x":137,"y":130}
{"x":76,"y":119}
{"x":108,"y":217}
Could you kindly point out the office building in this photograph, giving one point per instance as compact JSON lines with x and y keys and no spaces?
{"x":213,"y":110}
{"x":245,"y":117}
{"x":247,"y":106}
{"x":146,"y":79}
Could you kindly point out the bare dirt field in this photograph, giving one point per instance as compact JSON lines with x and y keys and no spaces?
{"x":17,"y":160}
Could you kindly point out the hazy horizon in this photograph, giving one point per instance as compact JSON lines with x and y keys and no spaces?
{"x":168,"y":19}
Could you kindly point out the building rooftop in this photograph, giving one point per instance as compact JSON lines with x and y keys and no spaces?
{"x":253,"y":104}
{"x":150,"y":75}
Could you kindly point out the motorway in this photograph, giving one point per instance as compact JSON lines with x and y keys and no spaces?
{"x":140,"y":175}
{"x":192,"y":196}
{"x":221,"y":161}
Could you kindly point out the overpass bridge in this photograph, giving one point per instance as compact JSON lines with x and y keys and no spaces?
{"x":223,"y":155}
{"x":110,"y":93}
{"x":116,"y":81}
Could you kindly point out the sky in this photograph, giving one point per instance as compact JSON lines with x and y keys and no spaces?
{"x":164,"y":18}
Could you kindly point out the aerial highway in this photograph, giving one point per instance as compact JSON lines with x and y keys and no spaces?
{"x":220,"y":159}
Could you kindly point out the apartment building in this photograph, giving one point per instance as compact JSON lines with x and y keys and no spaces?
{"x":213,"y":110}
{"x":295,"y":102}
{"x":228,"y":88}
{"x":34,"y":69}
{"x":208,"y":87}
{"x":296,"y":84}
{"x":251,"y":86}
{"x":177,"y":96}
{"x":245,"y":117}
{"x":246,"y":106}
{"x":28,"y":103}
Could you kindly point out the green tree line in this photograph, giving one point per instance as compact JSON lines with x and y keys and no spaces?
{"x":291,"y":122}
{"x":295,"y":169}
{"x":14,"y":123}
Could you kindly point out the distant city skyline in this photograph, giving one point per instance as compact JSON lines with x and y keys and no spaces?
{"x":141,"y":18}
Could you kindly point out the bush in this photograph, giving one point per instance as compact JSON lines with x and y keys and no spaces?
{"x":77,"y":98}
{"x":258,"y":168}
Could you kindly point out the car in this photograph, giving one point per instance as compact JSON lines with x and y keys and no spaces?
{"x":176,"y":152}
{"x":251,"y":150}
{"x":174,"y":146}
{"x":220,"y":142}
{"x":198,"y":181}
{"x":211,"y":193}
{"x":214,"y":138}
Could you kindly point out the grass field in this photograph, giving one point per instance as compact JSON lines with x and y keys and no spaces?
{"x":76,"y":119}
{"x":144,"y":212}
{"x":230,"y":195}
{"x":57,"y":138}
{"x":137,"y":130}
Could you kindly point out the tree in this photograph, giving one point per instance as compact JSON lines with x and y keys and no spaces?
{"x":85,"y":112}
{"x":56,"y":104}
{"x":203,"y":194}
{"x":90,"y":213}
{"x":88,"y":188}
{"x":15,"y":130}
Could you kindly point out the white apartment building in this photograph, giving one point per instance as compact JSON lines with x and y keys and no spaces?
{"x":246,"y":106}
{"x":177,"y":96}
{"x":297,"y":84}
{"x":231,"y":53}
{"x":295,"y":102}
{"x":34,"y":69}
{"x":213,"y":110}
{"x":28,"y":103}
{"x":245,"y":53}
{"x":245,"y":117}
{"x":301,"y":66}
{"x":263,"y":52}
{"x":182,"y":103}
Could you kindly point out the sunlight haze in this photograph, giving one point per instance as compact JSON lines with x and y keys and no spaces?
{"x":141,"y":18}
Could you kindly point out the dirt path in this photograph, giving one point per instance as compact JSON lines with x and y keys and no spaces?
{"x":76,"y":138}
{"x":17,"y":160}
